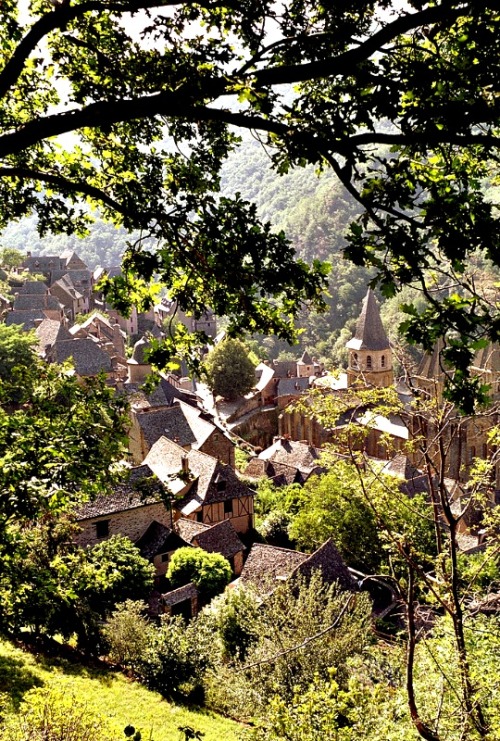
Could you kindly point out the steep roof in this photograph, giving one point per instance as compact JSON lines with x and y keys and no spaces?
{"x":206,"y":481}
{"x":328,"y":560}
{"x":158,"y":539}
{"x":34,"y":286}
{"x":488,"y":358}
{"x":292,"y":386}
{"x":88,"y":357}
{"x":267,"y":564}
{"x":370,"y":333}
{"x":130,"y":494}
{"x":31,"y":301}
{"x":49,"y":332}
{"x":220,"y":538}
{"x":180,"y":423}
{"x":189,"y":529}
{"x":25,"y":318}
{"x":430,"y":365}
{"x":305,"y":359}
{"x":292,"y":453}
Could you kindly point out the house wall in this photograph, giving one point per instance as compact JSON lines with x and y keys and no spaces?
{"x":241,"y":516}
{"x":132,"y":523}
{"x":218,"y":446}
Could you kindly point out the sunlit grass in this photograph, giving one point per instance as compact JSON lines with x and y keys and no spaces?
{"x":109,"y":694}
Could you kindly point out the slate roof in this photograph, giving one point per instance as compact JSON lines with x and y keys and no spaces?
{"x":305,"y":359}
{"x":189,"y":529}
{"x":370,"y":333}
{"x":126,"y":495}
{"x":413,"y":481}
{"x":430,"y":365}
{"x":488,"y":358}
{"x":180,"y":423}
{"x":267,"y":564}
{"x":49,"y":332}
{"x":79,"y":277}
{"x":285,"y":368}
{"x":220,"y":538}
{"x":292,"y":453}
{"x":34,"y":287}
{"x":292,"y":386}
{"x":70,"y":257}
{"x":328,"y":560}
{"x":31,"y":301}
{"x":42,"y":263}
{"x":210,"y":481}
{"x":25,"y":318}
{"x":66,"y":284}
{"x":179,"y":595}
{"x":158,"y":539}
{"x":88,"y":357}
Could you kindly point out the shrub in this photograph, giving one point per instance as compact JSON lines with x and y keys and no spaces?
{"x":128,"y":634}
{"x":51,"y":715}
{"x":209,"y":572}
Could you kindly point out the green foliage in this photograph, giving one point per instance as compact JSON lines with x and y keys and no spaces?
{"x":108,"y":695}
{"x":58,"y":445}
{"x":233,"y":617}
{"x":209,"y":572}
{"x":17,"y":359}
{"x":175,"y":658}
{"x":51,"y":715}
{"x":126,"y":632}
{"x":11,"y":258}
{"x":230,"y":372}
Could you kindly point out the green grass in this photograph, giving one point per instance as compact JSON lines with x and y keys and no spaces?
{"x":109,"y":694}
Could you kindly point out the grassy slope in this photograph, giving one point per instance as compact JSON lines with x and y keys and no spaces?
{"x":109,"y":694}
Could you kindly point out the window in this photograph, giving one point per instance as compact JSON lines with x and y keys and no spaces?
{"x":102,"y":528}
{"x":199,"y":516}
{"x":221,"y":485}
{"x":382,"y":361}
{"x":472,"y":453}
{"x":228,"y":507}
{"x":165,"y":557}
{"x":369,"y":362}
{"x":355,"y":360}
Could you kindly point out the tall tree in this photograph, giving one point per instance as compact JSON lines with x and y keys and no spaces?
{"x":399,"y":100}
{"x":230,"y":372}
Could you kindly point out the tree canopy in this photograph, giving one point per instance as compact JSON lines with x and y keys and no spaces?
{"x":399,"y":100}
{"x":230,"y":372}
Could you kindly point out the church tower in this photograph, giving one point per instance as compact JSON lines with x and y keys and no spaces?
{"x":370,"y":355}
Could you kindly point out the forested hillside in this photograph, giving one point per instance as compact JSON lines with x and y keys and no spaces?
{"x":313,"y":210}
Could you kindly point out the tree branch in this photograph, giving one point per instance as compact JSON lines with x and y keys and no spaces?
{"x":353,"y":57}
{"x":64,"y":184}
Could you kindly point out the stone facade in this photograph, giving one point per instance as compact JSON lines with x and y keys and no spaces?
{"x":132,"y":523}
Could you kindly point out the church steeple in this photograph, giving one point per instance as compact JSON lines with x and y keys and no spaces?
{"x":370,"y":355}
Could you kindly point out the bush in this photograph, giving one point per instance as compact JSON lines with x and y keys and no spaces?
{"x":128,"y":634}
{"x":209,"y":572}
{"x":175,"y":658}
{"x":51,"y":715}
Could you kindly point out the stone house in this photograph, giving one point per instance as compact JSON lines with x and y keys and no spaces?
{"x":286,"y":462}
{"x":182,"y":423}
{"x":204,"y":489}
{"x":129,"y":510}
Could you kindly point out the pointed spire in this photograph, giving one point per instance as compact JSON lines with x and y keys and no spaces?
{"x":306,"y":359}
{"x":370,"y":333}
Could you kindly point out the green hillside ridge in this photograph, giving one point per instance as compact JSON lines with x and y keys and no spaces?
{"x":107,"y":694}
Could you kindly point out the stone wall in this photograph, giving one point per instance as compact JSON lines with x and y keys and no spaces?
{"x":132,"y":523}
{"x":259,"y":429}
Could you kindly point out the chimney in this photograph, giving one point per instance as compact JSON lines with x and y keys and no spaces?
{"x":185,"y":464}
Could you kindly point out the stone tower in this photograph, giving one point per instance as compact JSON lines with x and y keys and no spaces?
{"x":370,"y":355}
{"x":138,"y":367}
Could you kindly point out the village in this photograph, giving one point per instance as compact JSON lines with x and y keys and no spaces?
{"x":184,"y":440}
